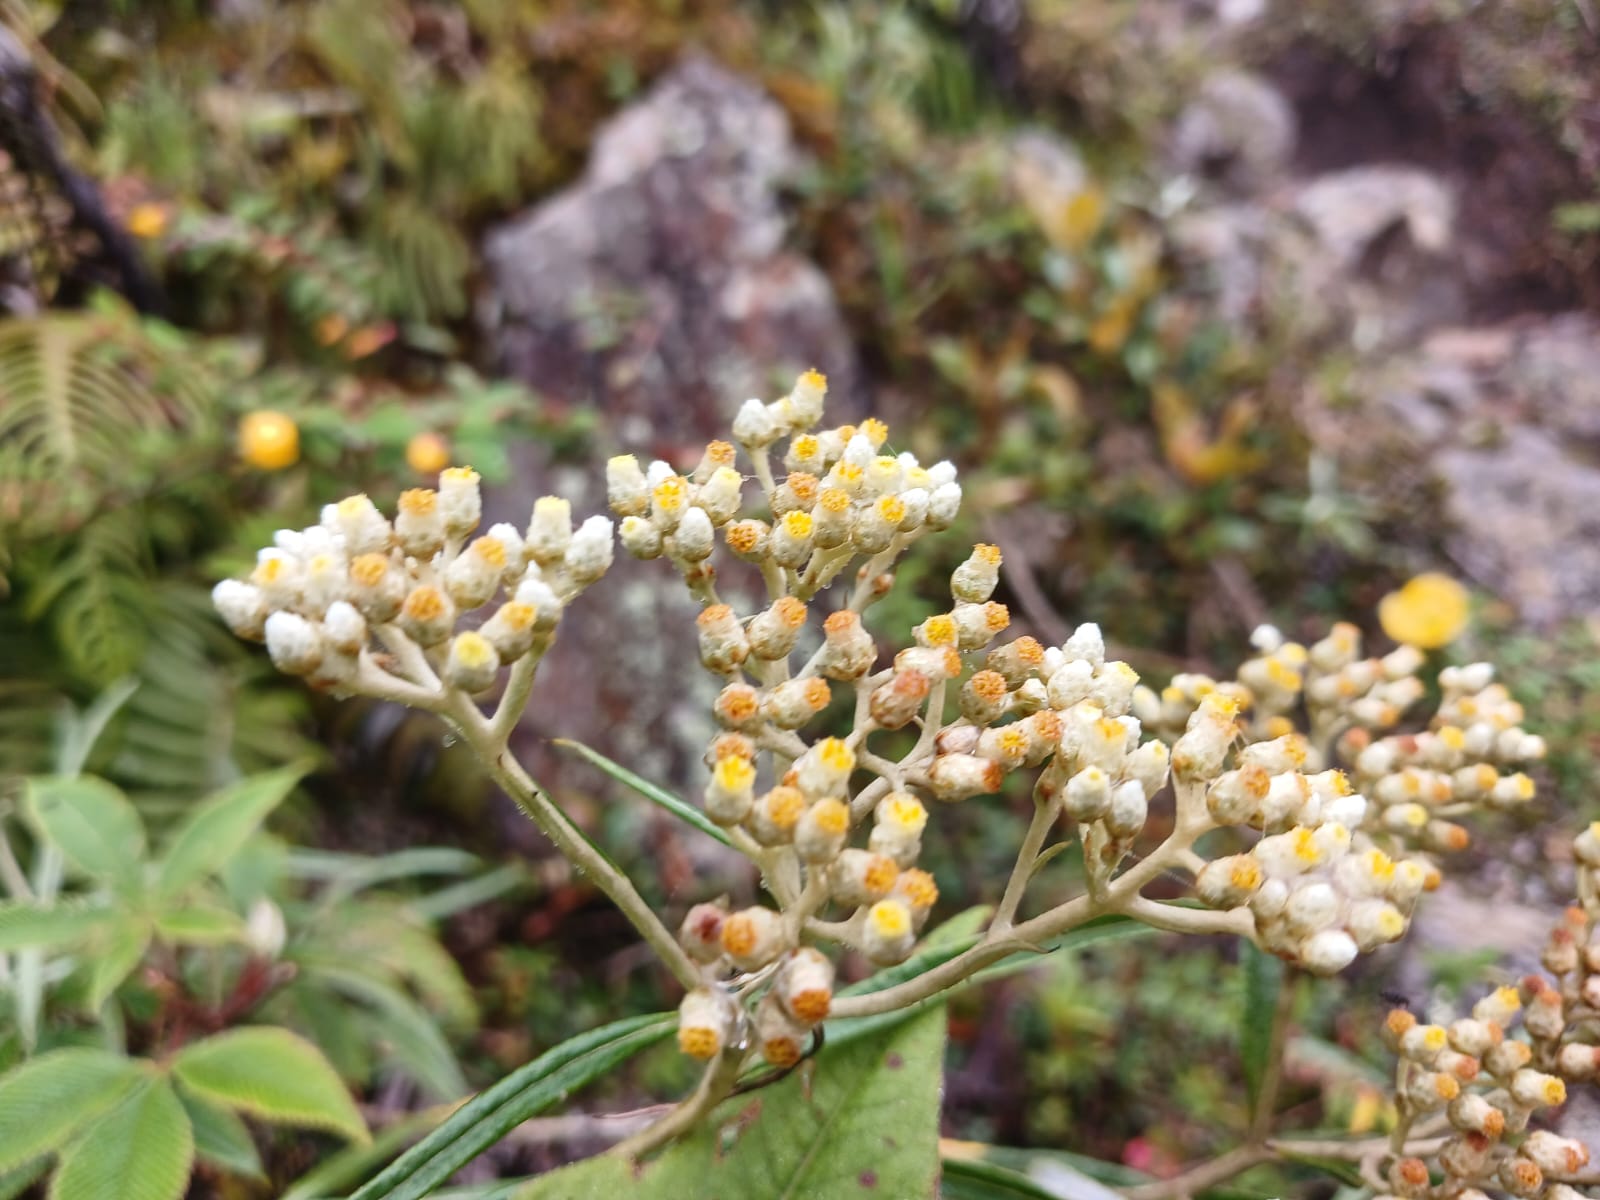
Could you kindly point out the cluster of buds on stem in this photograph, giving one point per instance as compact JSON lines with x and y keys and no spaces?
{"x":319,"y":596}
{"x":1345,"y":850}
{"x":1491,"y":1078}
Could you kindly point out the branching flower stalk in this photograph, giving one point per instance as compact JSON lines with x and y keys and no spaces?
{"x":1316,"y":848}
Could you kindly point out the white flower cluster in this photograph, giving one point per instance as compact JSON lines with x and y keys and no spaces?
{"x":1489,"y":1084}
{"x":1417,"y":781}
{"x":317,"y":594}
{"x":842,"y":497}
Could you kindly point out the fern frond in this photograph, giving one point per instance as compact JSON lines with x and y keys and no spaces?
{"x":87,"y":402}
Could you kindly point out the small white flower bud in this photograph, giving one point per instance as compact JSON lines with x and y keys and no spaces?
{"x":898,"y":822}
{"x":749,"y":540}
{"x":824,"y":769}
{"x":720,"y":495}
{"x":345,"y":628}
{"x":590,"y":554}
{"x":1129,"y":810}
{"x":1328,"y":952}
{"x":773,"y":631}
{"x":242,"y":606}
{"x":777,"y":813}
{"x":357,"y":520}
{"x":549,"y":530}
{"x":473,"y":576}
{"x":755,"y":425}
{"x":914,"y":503}
{"x":1521,"y":1176}
{"x":1088,"y":795}
{"x":848,"y":650}
{"x":889,"y":932}
{"x":541,"y":597}
{"x":944,"y":505}
{"x":790,"y":542}
{"x":419,"y":524}
{"x":460,"y":502}
{"x":294,"y":643}
{"x":701,"y":932}
{"x":830,"y":518}
{"x":1554,"y":1154}
{"x":1578,"y":1061}
{"x":1228,"y":882}
{"x":627,"y":490}
{"x":265,"y":932}
{"x":722,"y":639}
{"x":804,"y":985}
{"x":974,"y":581}
{"x":860,"y":877}
{"x":821,"y":831}
{"x":510,"y":630}
{"x":752,"y":937}
{"x":1312,"y":907}
{"x":806,"y":400}
{"x":695,"y":538}
{"x":1148,"y":764}
{"x":472,"y":663}
{"x":640,"y":538}
{"x":427,"y":615}
{"x":893,"y":704}
{"x":794,"y":702}
{"x":958,"y":776}
{"x":781,"y":1038}
{"x":1374,"y":923}
{"x":279,"y":578}
{"x":708,"y":1020}
{"x":1086,"y":644}
{"x":1535,"y":1089}
{"x":731,"y":792}
{"x":377,"y":587}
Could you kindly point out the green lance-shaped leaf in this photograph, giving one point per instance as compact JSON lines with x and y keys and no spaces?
{"x":92,"y":823}
{"x":114,"y":958}
{"x":527,"y":1091}
{"x":140,"y":1150}
{"x":864,"y":1124}
{"x":200,"y":925}
{"x":220,"y":1137}
{"x":650,"y":791}
{"x":214,"y":832}
{"x":1263,"y":980}
{"x":25,"y":923}
{"x":272,"y":1074}
{"x":45,"y":1101}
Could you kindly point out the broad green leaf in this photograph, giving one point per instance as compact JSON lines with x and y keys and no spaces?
{"x":92,"y":823}
{"x":220,"y":1137}
{"x":530,"y":1089}
{"x":214,"y":832}
{"x":411,"y":1037}
{"x":140,"y":1150}
{"x":650,"y":791}
{"x":45,"y":1101}
{"x":114,"y":957}
{"x":19,"y":1179}
{"x":27,"y":923}
{"x":864,"y":1124}
{"x":200,"y":925}
{"x":272,"y":1074}
{"x":1263,"y":980}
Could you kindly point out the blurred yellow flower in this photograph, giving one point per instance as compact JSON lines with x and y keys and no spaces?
{"x":427,"y":453}
{"x":147,"y":220}
{"x":1429,"y":611}
{"x":331,"y":328}
{"x":269,"y":441}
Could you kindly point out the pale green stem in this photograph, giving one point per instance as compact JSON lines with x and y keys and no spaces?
{"x":1044,"y":819}
{"x":716,"y":1085}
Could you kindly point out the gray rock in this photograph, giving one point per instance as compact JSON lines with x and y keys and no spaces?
{"x":657,"y":287}
{"x":1239,"y":130}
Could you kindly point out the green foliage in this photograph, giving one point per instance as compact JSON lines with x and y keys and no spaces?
{"x":271,"y":1074}
{"x":45,"y":1102}
{"x":865,"y":1123}
{"x":142,"y":1149}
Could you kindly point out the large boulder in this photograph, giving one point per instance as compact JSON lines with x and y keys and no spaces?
{"x":657,"y":288}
